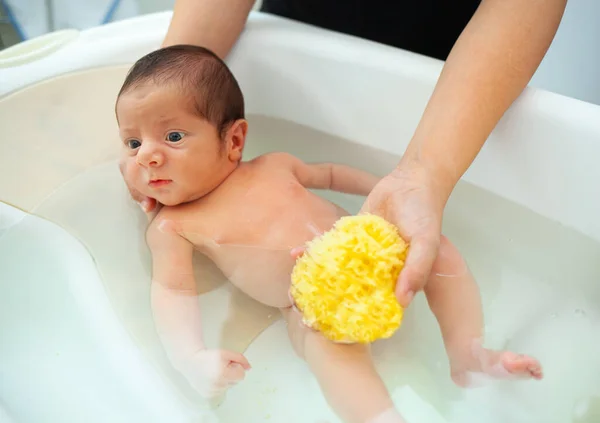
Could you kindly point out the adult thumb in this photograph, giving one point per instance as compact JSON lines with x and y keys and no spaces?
{"x":417,"y":268}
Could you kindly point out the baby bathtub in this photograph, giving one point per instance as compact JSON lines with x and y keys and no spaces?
{"x":77,"y":338}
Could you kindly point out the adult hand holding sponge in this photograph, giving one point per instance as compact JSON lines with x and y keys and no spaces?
{"x":344,"y":282}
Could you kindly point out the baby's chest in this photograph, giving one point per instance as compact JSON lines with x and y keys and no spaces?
{"x":256,"y":225}
{"x":270,"y":225}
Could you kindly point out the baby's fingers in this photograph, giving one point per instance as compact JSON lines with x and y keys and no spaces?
{"x":236,"y":358}
{"x":234,"y":373}
{"x":297,"y":252}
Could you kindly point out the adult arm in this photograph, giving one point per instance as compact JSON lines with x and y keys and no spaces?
{"x":487,"y":69}
{"x":214,"y":24}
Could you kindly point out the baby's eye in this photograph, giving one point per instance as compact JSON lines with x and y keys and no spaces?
{"x":175,"y":136}
{"x":133,"y":144}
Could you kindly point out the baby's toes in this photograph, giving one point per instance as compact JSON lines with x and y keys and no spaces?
{"x":522,"y":365}
{"x":536,"y":372}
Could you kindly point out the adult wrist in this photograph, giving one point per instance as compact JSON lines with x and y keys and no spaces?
{"x":439,"y":178}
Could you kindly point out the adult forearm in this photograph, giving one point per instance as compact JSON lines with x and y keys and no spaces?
{"x":214,"y":24}
{"x":489,"y":66}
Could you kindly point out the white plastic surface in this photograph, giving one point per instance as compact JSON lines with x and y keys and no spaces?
{"x":543,"y":156}
{"x":59,"y":336}
{"x":36,"y":48}
{"x":572,"y":63}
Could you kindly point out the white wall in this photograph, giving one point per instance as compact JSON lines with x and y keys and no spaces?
{"x":572,"y":65}
{"x":33,"y":18}
{"x":151,"y":6}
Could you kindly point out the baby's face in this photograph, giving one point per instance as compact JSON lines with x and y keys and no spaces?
{"x":169,"y":152}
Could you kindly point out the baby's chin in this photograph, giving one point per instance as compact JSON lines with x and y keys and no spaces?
{"x":170,"y":201}
{"x":173,"y":199}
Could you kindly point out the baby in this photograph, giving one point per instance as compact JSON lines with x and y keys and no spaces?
{"x":181,"y":120}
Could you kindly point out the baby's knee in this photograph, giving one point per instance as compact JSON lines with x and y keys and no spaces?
{"x":446,"y":245}
{"x":296,"y":330}
{"x":449,"y":261}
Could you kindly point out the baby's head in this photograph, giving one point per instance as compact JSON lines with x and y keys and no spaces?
{"x":181,"y":121}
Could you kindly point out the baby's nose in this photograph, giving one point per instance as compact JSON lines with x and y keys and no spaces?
{"x":150,"y":157}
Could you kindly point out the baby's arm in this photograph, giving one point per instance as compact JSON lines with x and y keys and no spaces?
{"x":174,"y":297}
{"x":177,"y":317}
{"x":333,"y":176}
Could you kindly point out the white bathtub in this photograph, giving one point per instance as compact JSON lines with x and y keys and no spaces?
{"x":77,"y":341}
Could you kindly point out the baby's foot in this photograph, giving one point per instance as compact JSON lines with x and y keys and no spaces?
{"x":388,"y":416}
{"x":495,"y":365}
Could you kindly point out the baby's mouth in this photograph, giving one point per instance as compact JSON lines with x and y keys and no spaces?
{"x":158,"y":183}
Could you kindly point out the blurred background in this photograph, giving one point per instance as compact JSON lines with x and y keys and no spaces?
{"x":571,"y":67}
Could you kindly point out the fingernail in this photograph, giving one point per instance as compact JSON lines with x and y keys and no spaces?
{"x":144,"y":204}
{"x":409,"y":295}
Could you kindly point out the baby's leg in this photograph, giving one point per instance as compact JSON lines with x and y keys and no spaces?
{"x":453,"y":297}
{"x":346,"y":374}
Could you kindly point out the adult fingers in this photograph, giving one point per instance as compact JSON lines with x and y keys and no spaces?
{"x":413,"y":277}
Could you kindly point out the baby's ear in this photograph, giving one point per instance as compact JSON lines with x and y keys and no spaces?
{"x":235,"y":139}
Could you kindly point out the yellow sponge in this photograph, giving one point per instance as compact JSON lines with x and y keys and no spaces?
{"x":344,"y":283}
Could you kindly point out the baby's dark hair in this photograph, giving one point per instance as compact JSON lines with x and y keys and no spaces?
{"x":200,"y":74}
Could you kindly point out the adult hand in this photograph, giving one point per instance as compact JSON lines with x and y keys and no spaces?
{"x":409,"y":197}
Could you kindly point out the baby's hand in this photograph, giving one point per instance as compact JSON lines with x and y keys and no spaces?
{"x":297,"y":252}
{"x":212,"y":372}
{"x":148,"y":205}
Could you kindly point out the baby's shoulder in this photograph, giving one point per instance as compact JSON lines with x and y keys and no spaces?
{"x":277,"y":159}
{"x":163,"y":223}
{"x":177,"y":221}
{"x":278,"y":162}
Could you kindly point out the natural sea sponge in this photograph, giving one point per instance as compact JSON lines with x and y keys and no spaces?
{"x":344,"y":282}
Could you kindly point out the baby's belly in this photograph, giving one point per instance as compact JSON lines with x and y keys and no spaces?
{"x":255,"y":253}
{"x":260,"y":273}
{"x":271,"y":291}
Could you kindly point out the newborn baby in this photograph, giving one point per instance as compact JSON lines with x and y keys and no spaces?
{"x":181,"y":120}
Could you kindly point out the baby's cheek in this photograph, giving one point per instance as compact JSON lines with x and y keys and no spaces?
{"x":131,"y":174}
{"x":128,"y":172}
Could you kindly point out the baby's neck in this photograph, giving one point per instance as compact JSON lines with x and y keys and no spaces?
{"x":235,"y":167}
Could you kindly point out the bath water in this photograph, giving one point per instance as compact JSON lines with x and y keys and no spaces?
{"x":538,"y":280}
{"x":540,"y":291}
